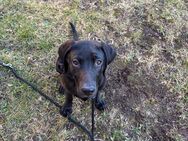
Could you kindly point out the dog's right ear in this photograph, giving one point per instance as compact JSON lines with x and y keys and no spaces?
{"x":61,"y":65}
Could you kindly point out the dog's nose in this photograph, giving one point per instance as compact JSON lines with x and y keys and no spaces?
{"x":88,"y":90}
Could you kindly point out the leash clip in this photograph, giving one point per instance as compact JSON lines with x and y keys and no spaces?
{"x":7,"y":65}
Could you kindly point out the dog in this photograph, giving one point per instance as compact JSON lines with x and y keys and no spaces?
{"x":82,"y":65}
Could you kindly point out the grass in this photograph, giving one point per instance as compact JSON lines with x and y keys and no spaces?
{"x":147,"y":87}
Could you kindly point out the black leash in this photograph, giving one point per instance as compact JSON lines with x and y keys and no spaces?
{"x":70,"y":118}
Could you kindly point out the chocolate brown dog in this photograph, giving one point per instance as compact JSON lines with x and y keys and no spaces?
{"x":82,"y":65}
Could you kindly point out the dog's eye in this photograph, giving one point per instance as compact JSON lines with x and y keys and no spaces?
{"x":75,"y":62}
{"x":98,"y":62}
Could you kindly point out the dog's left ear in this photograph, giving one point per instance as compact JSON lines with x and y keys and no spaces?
{"x":109,"y":52}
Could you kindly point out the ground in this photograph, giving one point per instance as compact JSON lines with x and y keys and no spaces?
{"x":147,"y":84}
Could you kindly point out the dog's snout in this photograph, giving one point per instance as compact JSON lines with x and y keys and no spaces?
{"x":88,"y":89}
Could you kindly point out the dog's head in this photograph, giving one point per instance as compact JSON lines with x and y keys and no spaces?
{"x":85,"y":63}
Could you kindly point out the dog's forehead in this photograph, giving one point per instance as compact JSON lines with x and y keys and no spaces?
{"x":86,"y":48}
{"x":86,"y":44}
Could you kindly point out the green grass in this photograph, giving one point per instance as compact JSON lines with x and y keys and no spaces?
{"x":147,"y":84}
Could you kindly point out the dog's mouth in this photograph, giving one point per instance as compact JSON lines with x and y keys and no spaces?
{"x":86,"y":97}
{"x":92,"y":97}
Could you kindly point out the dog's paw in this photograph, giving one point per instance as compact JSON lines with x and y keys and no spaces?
{"x":100,"y":105}
{"x":61,"y":89}
{"x":66,"y":110}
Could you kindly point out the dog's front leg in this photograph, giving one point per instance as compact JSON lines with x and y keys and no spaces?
{"x":67,"y":107}
{"x":99,"y":102}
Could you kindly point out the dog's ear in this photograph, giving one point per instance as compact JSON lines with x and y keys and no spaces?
{"x":109,"y":53}
{"x":61,"y":65}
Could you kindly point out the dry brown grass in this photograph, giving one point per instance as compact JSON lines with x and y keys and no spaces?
{"x":147,"y":87}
